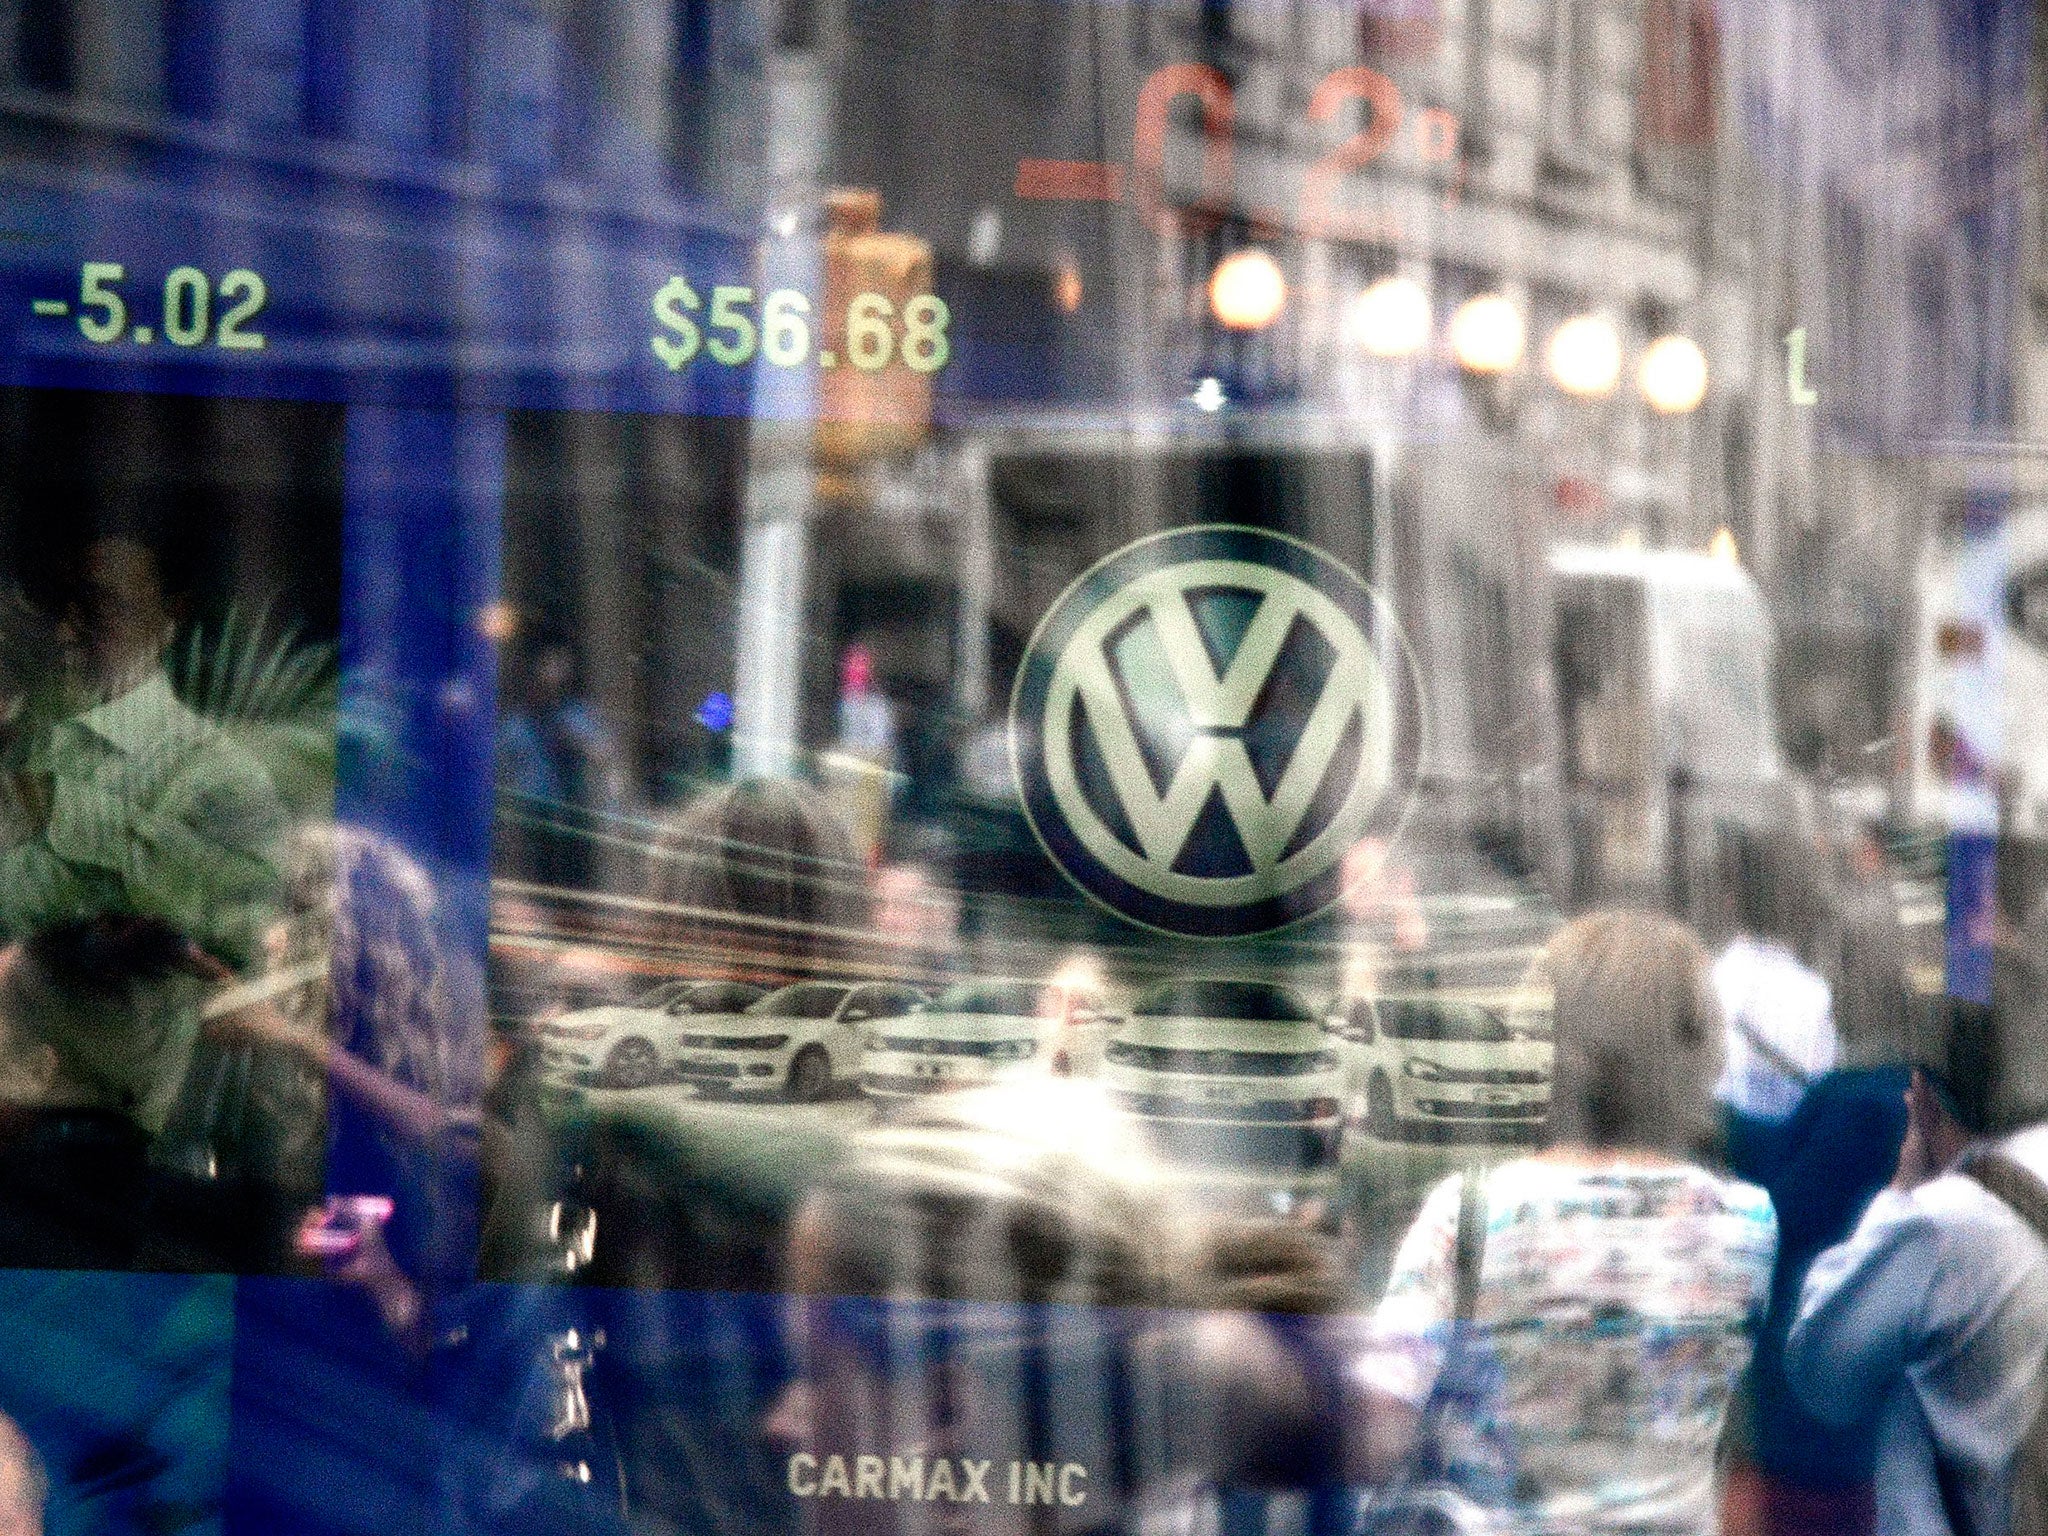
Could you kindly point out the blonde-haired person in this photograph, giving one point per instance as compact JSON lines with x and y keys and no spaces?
{"x":1569,"y":1326}
{"x":368,"y":1034}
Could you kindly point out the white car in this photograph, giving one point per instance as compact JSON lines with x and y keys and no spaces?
{"x":1436,"y":1065}
{"x":797,"y":1042}
{"x":632,"y":1045}
{"x":981,"y":1032}
{"x":1353,"y":1028}
{"x":1238,"y":1085}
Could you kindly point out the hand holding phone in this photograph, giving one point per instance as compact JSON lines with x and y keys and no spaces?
{"x":337,"y":1229}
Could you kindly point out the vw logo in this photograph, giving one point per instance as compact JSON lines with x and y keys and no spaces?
{"x":2026,"y":604}
{"x":1207,"y":722}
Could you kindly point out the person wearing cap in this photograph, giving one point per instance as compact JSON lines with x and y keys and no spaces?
{"x":1930,"y":1321}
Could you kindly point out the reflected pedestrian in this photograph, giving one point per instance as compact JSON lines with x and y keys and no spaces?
{"x":1818,"y":1138}
{"x":560,"y":763}
{"x":1779,"y":1010}
{"x":74,"y":1176}
{"x":138,"y":807}
{"x":1931,"y":1321}
{"x":1561,"y":1335}
{"x":972,"y":1286}
{"x":369,"y":1038}
{"x":760,"y":877}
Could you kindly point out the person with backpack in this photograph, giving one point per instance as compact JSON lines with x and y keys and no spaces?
{"x":1821,"y":1139}
{"x":1930,"y":1322}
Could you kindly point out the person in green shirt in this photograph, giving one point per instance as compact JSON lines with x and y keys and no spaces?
{"x":132,"y":805}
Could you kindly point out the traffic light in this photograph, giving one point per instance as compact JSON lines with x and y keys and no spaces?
{"x":875,"y":397}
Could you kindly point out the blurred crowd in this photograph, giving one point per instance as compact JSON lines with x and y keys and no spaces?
{"x":1779,"y":1262}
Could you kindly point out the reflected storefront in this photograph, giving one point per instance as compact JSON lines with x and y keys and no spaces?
{"x":883,"y":765}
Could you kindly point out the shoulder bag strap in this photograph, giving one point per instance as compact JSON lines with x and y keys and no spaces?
{"x":1762,"y":1044}
{"x":1388,"y":1512}
{"x":1471,"y":1251}
{"x":2027,"y":1197}
{"x":2006,"y":1180}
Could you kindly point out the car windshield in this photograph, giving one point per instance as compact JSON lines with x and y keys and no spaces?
{"x":714,"y":997}
{"x":1223,"y":1000}
{"x":806,"y":1000}
{"x":1462,"y":1023}
{"x":1021,"y":999}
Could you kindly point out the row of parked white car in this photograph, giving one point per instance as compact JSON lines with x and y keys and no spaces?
{"x":1234,"y":1070}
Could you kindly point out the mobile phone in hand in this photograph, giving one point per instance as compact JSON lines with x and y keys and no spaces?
{"x":337,"y":1229}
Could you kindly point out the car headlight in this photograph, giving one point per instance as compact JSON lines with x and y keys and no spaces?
{"x":1428,"y":1071}
{"x":1018,"y":1050}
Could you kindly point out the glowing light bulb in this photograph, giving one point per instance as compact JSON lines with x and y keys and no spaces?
{"x":497,"y":622}
{"x":1584,"y":356}
{"x":1389,"y":318}
{"x":1209,"y":396}
{"x":1673,"y":375}
{"x":1067,"y":289}
{"x":1722,"y":547}
{"x":1487,"y":334}
{"x":1247,"y":290}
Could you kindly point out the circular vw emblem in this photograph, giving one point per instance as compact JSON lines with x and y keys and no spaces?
{"x":1207,"y":722}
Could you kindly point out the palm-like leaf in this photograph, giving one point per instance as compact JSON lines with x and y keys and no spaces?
{"x":272,"y":690}
{"x":250,"y":670}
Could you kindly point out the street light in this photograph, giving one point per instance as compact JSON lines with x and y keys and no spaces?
{"x":1067,"y":289}
{"x":1584,"y":356}
{"x":1487,"y":334}
{"x":1389,"y":318}
{"x":1247,"y":290}
{"x":1673,"y":375}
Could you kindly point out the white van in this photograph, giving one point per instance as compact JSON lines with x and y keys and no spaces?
{"x":1665,"y":712}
